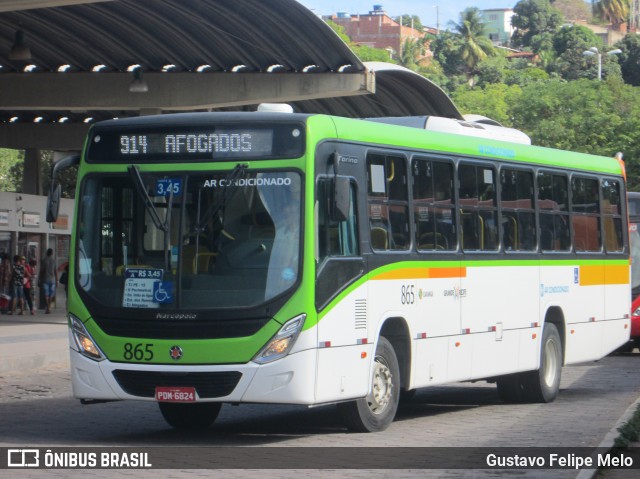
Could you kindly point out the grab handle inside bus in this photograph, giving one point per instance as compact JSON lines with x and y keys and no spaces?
{"x":55,"y":189}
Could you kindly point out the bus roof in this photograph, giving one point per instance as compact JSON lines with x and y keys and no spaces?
{"x":454,"y":144}
{"x":384,"y":134}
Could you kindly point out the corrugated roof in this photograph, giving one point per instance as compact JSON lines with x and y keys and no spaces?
{"x":187,"y":34}
{"x":196,"y":37}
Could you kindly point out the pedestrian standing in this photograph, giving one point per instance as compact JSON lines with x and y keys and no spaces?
{"x":49,"y":278}
{"x":17,"y":282}
{"x":5,"y":282}
{"x":29,"y":272}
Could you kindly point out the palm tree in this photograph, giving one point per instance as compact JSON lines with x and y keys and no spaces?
{"x":475,"y":46}
{"x":616,"y":11}
{"x":413,"y":53}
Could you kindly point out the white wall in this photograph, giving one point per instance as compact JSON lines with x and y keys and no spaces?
{"x":27,"y":213}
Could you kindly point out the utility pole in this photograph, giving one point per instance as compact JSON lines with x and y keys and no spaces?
{"x":634,"y":23}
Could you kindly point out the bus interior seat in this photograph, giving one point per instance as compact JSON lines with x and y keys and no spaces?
{"x":189,"y":256}
{"x":379,"y":238}
{"x":433,"y":241}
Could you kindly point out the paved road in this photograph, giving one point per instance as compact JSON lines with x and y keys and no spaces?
{"x":36,"y":409}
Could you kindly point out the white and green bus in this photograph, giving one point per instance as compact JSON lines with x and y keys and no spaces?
{"x":309,"y":259}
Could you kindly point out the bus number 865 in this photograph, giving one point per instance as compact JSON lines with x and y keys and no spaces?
{"x":407,"y":296}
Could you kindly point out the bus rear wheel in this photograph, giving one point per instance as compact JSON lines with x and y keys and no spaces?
{"x":376,"y":411}
{"x":541,"y":385}
{"x":190,"y":416}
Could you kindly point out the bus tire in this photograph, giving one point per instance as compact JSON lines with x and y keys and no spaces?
{"x":543,"y":384}
{"x":190,"y":416}
{"x":376,"y":411}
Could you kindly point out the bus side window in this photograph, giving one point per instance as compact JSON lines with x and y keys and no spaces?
{"x":612,"y":216}
{"x":478,"y":210}
{"x":554,"y":212}
{"x":388,"y":202}
{"x":335,"y":238}
{"x":585,"y":217}
{"x":518,"y":215}
{"x":433,"y":208}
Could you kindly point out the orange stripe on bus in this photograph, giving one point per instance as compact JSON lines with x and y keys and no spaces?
{"x":423,"y":273}
{"x":600,"y":275}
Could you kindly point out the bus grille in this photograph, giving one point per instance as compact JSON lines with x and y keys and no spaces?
{"x":208,"y":385}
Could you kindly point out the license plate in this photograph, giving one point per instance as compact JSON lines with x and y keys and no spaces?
{"x":175,"y":394}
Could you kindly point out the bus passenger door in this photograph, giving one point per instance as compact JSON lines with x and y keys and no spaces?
{"x":342,"y":370}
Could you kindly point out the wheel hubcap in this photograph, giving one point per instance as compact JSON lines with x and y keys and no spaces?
{"x":382,"y":387}
{"x":550,"y":363}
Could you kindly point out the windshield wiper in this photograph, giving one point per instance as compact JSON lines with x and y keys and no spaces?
{"x":134,"y":172}
{"x":163,"y":226}
{"x":228,"y":192}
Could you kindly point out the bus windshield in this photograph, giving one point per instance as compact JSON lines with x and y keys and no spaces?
{"x":188,"y":241}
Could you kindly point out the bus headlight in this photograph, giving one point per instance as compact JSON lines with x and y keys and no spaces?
{"x":282,"y":342}
{"x":85,"y":344}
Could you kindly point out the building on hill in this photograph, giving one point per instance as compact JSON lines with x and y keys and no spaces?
{"x":497,"y":25}
{"x":376,"y":29}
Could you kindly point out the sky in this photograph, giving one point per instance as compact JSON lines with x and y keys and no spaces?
{"x":426,"y":9}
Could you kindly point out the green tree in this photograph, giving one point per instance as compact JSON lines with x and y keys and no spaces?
{"x":615,"y":11}
{"x":340,"y":31}
{"x":569,"y":43}
{"x":520,"y":72}
{"x":592,"y":117}
{"x":413,"y":52}
{"x":535,"y":22}
{"x":446,"y":51}
{"x":67,"y":178}
{"x":475,"y":47}
{"x":409,"y":21}
{"x":492,"y":70}
{"x":573,"y":10}
{"x":630,"y":59}
{"x":492,"y":101}
{"x":8,"y":160}
{"x":370,"y":54}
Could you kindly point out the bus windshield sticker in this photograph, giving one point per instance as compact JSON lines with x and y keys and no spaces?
{"x":163,"y":292}
{"x":140,"y":288}
{"x":167,"y":186}
{"x":377,"y":179}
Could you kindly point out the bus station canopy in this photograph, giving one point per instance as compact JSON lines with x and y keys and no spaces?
{"x":67,"y":63}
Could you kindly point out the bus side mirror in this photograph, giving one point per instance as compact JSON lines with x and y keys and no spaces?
{"x":55,"y":191}
{"x":53,"y":202}
{"x":341,"y":199}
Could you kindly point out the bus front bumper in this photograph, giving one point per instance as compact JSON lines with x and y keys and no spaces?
{"x":287,"y":380}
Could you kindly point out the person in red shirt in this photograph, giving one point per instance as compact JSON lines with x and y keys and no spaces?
{"x":29,"y":270}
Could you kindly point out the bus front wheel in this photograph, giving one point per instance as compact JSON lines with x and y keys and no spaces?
{"x":376,"y":411}
{"x":190,"y":416}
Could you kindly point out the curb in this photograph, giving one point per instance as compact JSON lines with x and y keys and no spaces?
{"x":609,"y":439}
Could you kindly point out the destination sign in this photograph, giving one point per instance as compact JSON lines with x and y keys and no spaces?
{"x":224,"y":143}
{"x":180,"y":143}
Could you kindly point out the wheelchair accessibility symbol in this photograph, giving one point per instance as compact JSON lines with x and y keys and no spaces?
{"x":163,"y":292}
